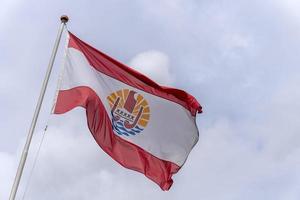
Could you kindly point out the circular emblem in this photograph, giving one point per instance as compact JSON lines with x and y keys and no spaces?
{"x":130,"y":112}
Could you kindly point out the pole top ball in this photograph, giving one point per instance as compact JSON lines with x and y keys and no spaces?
{"x":64,"y":19}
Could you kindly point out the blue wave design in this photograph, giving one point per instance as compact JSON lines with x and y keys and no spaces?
{"x":139,"y":128}
{"x":119,"y":127}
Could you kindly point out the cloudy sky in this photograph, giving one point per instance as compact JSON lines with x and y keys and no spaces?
{"x":240,"y":59}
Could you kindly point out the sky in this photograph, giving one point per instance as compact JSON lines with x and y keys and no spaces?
{"x":240,"y":59}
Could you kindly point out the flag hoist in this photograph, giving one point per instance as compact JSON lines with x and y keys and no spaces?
{"x":142,"y":125}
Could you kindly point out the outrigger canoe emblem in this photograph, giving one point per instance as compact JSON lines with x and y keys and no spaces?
{"x":130,"y":112}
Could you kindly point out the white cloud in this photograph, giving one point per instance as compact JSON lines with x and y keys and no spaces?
{"x":238,"y":58}
{"x":6,"y":9}
{"x":154,"y":64}
{"x":292,"y":7}
{"x":7,"y":170}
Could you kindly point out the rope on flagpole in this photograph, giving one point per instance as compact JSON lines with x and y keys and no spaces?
{"x":34,"y":162}
{"x":59,"y":81}
{"x":64,"y":19}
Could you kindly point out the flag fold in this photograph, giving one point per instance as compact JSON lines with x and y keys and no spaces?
{"x":143,"y":126}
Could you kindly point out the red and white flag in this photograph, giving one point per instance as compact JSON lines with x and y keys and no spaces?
{"x":140,"y":124}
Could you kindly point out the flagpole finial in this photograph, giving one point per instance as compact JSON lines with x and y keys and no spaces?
{"x":64,"y":19}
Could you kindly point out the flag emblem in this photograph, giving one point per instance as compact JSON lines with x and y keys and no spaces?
{"x":130,"y":112}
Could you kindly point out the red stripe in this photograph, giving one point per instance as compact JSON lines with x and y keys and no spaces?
{"x":109,"y":66}
{"x":127,"y":154}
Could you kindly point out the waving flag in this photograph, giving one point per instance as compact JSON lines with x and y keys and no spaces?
{"x":140,"y":124}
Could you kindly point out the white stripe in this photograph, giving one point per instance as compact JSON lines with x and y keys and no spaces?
{"x":171,"y":131}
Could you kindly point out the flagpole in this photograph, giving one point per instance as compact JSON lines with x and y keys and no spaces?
{"x":64,"y":19}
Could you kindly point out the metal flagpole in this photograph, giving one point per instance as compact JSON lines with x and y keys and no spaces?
{"x":64,"y":19}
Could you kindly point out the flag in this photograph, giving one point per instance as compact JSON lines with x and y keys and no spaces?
{"x":143,"y":126}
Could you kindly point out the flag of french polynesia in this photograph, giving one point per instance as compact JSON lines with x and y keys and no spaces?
{"x":140,"y":124}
